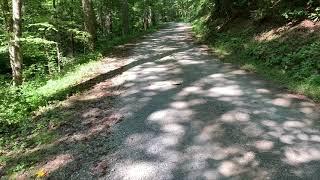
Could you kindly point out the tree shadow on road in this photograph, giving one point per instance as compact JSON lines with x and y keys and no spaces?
{"x":185,"y":116}
{"x":219,"y":123}
{"x":79,"y":125}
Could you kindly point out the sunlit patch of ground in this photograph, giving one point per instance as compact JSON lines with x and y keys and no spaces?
{"x":302,"y":29}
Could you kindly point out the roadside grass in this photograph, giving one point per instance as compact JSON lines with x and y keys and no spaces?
{"x":291,"y":59}
{"x":20,"y":131}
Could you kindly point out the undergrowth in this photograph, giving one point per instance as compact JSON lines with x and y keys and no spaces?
{"x":291,"y":59}
{"x":18,"y":105}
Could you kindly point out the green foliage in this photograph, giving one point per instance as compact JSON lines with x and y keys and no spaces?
{"x":298,"y":62}
{"x":296,"y":14}
{"x":17,"y":103}
{"x":56,"y":45}
{"x":43,"y":27}
{"x":260,"y":10}
{"x":291,"y":59}
{"x":315,"y":16}
{"x":19,"y":130}
{"x":4,"y":60}
{"x":49,"y":27}
{"x":259,"y":14}
{"x":80,"y":36}
{"x":57,"y":56}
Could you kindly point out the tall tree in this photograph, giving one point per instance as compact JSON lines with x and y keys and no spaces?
{"x":89,"y":21}
{"x":15,"y":44}
{"x":147,"y":17}
{"x":125,"y":17}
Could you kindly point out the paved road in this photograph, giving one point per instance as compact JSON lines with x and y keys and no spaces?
{"x":189,"y":116}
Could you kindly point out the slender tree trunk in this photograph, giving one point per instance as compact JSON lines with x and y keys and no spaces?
{"x":70,"y":47}
{"x":150,"y":14}
{"x":58,"y":36}
{"x":14,"y":44}
{"x":73,"y":49}
{"x":58,"y":57}
{"x":89,"y":21}
{"x":153,"y":17}
{"x":145,"y":19}
{"x":109,"y":22}
{"x":101,"y":20}
{"x":125,"y":17}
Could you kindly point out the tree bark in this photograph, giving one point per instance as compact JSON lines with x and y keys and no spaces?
{"x":150,"y":14}
{"x":154,"y":21}
{"x":147,"y":17}
{"x":15,"y":44}
{"x":125,"y":17}
{"x":109,"y":22}
{"x":101,"y":19}
{"x":89,"y":21}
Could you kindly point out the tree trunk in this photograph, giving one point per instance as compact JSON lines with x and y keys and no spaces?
{"x":89,"y":21}
{"x":58,"y":36}
{"x":147,"y":19}
{"x":125,"y":17}
{"x":58,"y":57}
{"x":154,"y":21}
{"x":150,"y":14}
{"x":101,"y":20}
{"x":14,"y":44}
{"x":109,"y":22}
{"x":71,"y":45}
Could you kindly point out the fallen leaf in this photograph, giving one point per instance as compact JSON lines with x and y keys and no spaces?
{"x":41,"y":173}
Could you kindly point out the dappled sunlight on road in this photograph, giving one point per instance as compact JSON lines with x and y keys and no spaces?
{"x":189,"y":116}
{"x":186,"y":115}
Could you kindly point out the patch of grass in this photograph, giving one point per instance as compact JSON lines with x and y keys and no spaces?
{"x":291,"y":58}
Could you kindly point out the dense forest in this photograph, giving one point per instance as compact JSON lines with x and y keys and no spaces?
{"x":42,"y":40}
{"x":43,"y":44}
{"x":47,"y":46}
